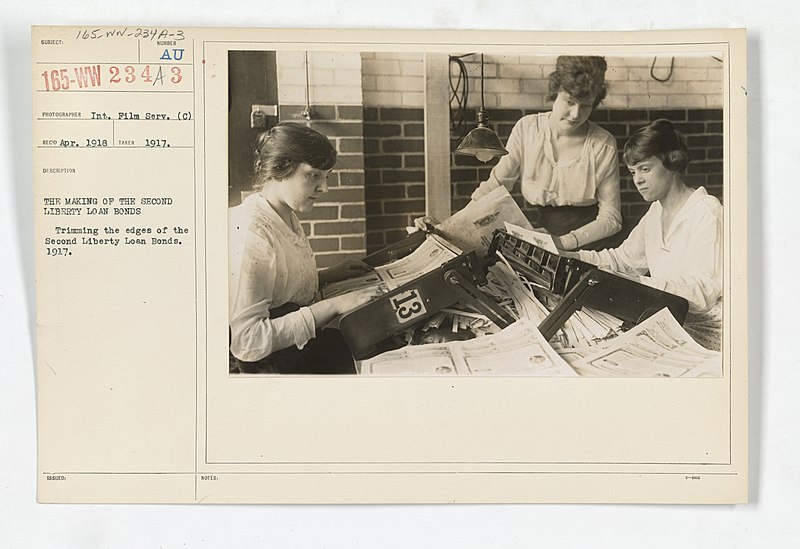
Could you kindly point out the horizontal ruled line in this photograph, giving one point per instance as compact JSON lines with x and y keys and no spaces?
{"x":372,"y":44}
{"x":116,"y":147}
{"x":120,"y":473}
{"x":111,"y":63}
{"x":385,"y":462}
{"x":637,"y":473}
{"x":116,"y":119}
{"x":114,"y":91}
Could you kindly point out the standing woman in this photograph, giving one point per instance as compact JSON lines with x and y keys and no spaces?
{"x":677,"y":245}
{"x":567,"y":165}
{"x":274,"y":321}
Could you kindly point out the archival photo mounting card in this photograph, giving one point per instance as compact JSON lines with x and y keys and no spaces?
{"x":270,"y":267}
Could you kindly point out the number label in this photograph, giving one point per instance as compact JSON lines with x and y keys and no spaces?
{"x":408,"y":306}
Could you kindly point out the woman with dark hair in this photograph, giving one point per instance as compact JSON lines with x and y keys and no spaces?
{"x":677,"y":245}
{"x":567,"y":165}
{"x":274,"y":320}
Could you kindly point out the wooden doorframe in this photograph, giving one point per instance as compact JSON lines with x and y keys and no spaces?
{"x":437,"y":136}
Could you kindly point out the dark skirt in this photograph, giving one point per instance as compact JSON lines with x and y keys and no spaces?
{"x":327,"y":353}
{"x":560,"y":220}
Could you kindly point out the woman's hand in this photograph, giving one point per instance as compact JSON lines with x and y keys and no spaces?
{"x":565,"y":242}
{"x":484,"y":188}
{"x":574,"y":255}
{"x":344,"y":270}
{"x":425,"y":224}
{"x":324,"y":311}
{"x":563,"y":250}
{"x":352,"y":300}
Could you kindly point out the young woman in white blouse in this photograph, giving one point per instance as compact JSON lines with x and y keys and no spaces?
{"x":566,"y":165}
{"x":274,"y":321}
{"x":677,"y":245}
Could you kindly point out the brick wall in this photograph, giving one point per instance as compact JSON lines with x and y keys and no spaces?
{"x":333,"y":78}
{"x":702,"y":128}
{"x":521,"y":81}
{"x":336,"y":226}
{"x":394,"y":168}
{"x":393,"y":79}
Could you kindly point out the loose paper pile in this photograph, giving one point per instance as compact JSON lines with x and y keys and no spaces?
{"x":519,"y":350}
{"x":432,"y":253}
{"x":657,"y":347}
{"x":472,"y":227}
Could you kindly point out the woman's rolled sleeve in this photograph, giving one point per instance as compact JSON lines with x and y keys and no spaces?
{"x":254,"y":335}
{"x":630,"y":258}
{"x":609,"y":219}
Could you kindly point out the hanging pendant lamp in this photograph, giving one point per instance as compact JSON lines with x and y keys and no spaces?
{"x":482,"y":142}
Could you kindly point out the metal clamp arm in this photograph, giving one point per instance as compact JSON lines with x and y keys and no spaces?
{"x":570,"y":303}
{"x":478,"y":299}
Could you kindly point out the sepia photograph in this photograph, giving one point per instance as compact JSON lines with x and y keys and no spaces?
{"x":396,"y":213}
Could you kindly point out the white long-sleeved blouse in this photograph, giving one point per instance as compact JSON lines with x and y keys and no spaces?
{"x":687,"y":261}
{"x":590,"y":178}
{"x":270,"y":264}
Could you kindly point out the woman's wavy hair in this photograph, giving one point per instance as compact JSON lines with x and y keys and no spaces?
{"x":659,"y":139}
{"x":581,"y":76}
{"x":282,"y":148}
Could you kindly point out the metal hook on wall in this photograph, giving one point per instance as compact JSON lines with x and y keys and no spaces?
{"x":669,"y":74}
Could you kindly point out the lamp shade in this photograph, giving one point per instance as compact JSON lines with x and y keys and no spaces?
{"x":482,"y":142}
